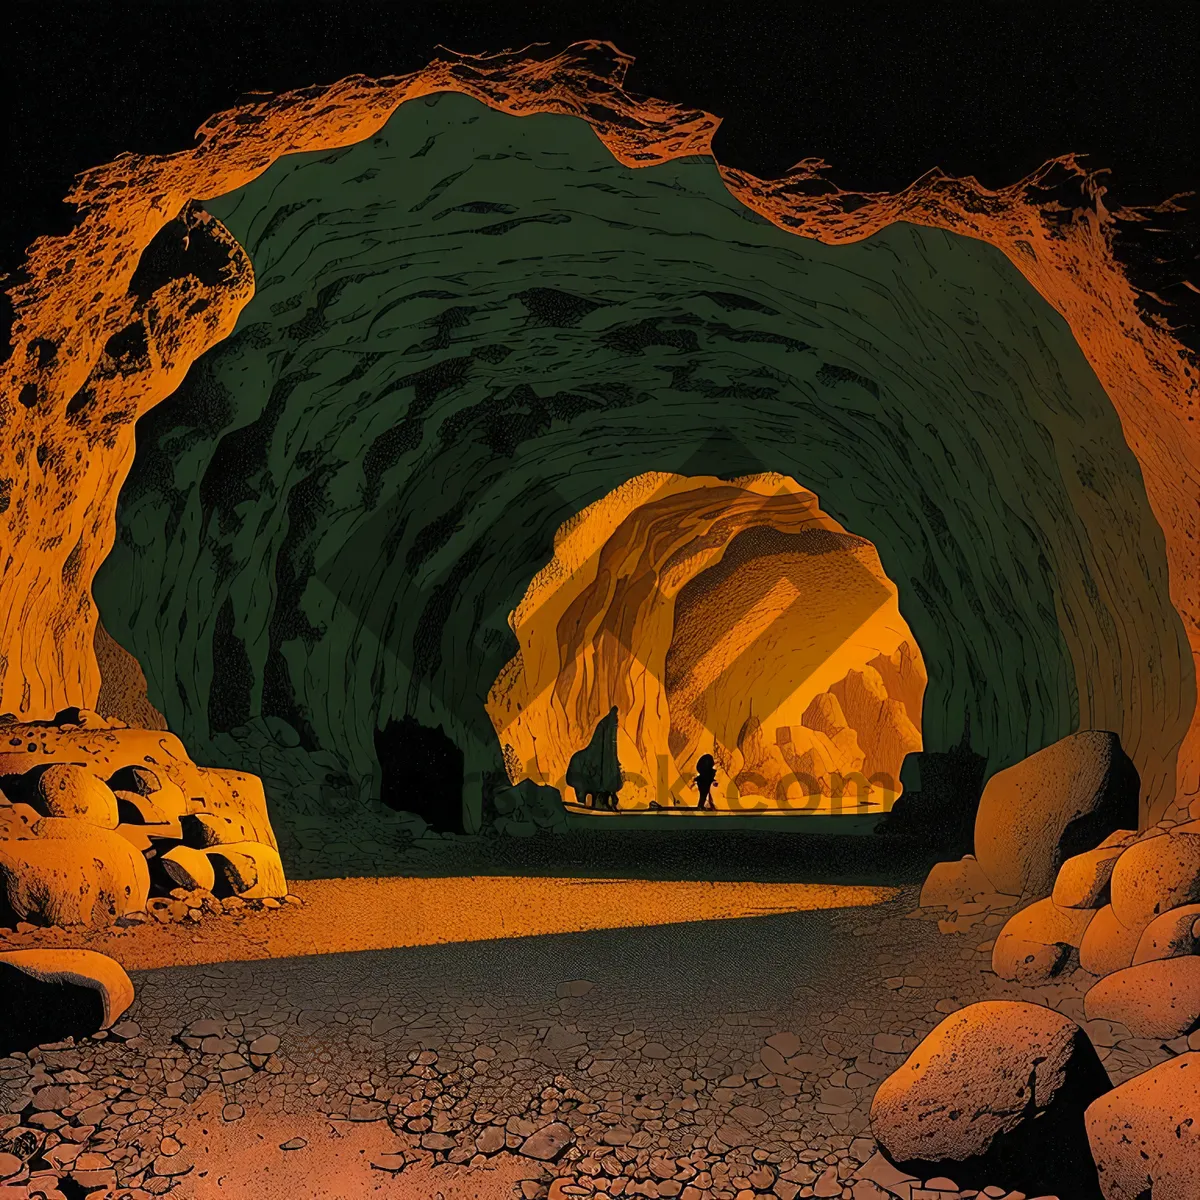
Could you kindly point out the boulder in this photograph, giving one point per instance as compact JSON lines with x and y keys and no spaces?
{"x":1174,"y":933}
{"x":1036,"y":943}
{"x":107,"y":750}
{"x":73,"y":873}
{"x":1054,"y":804}
{"x":189,"y":868}
{"x":1156,"y":874}
{"x":136,"y":809}
{"x":1159,"y":999}
{"x":69,"y":790}
{"x":531,"y":801}
{"x":204,"y":828}
{"x":950,"y":884}
{"x":1083,"y":879}
{"x":1107,"y":945}
{"x":996,"y":1091}
{"x":236,"y":793}
{"x":156,"y":787}
{"x":250,"y":870}
{"x":1145,"y":1134}
{"x":47,"y":995}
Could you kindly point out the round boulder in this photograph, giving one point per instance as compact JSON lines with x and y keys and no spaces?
{"x":1053,"y":805}
{"x":1159,"y":872}
{"x":69,"y":790}
{"x":250,"y":870}
{"x":1084,"y":878}
{"x":47,"y":995}
{"x":1174,"y":933}
{"x":72,"y":873}
{"x":996,"y":1091}
{"x":1107,"y":945}
{"x":1036,"y":943}
{"x":189,"y":868}
{"x":1145,"y":1134}
{"x":1159,"y":999}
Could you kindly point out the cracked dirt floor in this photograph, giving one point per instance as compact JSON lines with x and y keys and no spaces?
{"x":719,"y":1058}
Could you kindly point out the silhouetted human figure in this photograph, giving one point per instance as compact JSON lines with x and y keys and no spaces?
{"x":706,"y":776}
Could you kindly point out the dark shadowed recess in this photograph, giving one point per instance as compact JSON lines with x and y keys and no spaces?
{"x":422,"y":773}
{"x":35,"y":1011}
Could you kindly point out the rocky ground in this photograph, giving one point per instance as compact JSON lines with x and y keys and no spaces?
{"x":724,"y":1059}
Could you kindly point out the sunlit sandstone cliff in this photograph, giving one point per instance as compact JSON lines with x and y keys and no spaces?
{"x":713,"y":615}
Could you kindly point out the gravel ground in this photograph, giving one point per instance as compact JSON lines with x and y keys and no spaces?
{"x":725,"y":1059}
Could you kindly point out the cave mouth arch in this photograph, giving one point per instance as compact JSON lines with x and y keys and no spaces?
{"x":731,"y":618}
{"x":471,"y":326}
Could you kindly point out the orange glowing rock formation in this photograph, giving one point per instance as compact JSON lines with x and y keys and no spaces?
{"x":717,"y":616}
{"x":94,"y":347}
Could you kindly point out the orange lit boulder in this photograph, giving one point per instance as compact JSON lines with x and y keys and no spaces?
{"x":47,"y":995}
{"x":72,"y":873}
{"x":1174,"y":933}
{"x":950,"y":884}
{"x":1159,"y":872}
{"x":205,"y":828}
{"x":1054,"y":804}
{"x":95,"y":799}
{"x":237,"y":794}
{"x":1036,"y":943}
{"x":143,"y":787}
{"x":189,"y":868}
{"x":1083,"y":879}
{"x":1159,"y":999}
{"x":1145,"y":1134}
{"x":250,"y":870}
{"x":997,"y":1091}
{"x":69,"y":790}
{"x":1107,"y":945}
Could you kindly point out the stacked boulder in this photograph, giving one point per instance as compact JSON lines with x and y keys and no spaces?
{"x":1057,"y":835}
{"x":96,"y":817}
{"x":1056,"y":839}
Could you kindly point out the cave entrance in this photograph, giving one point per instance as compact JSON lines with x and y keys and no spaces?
{"x":730,"y":618}
{"x":421,"y":771}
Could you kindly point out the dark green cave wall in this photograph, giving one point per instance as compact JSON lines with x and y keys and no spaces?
{"x":472,"y":325}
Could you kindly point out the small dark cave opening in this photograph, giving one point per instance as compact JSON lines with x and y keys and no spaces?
{"x":422,"y":772}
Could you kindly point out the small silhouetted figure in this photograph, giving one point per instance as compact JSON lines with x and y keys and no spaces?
{"x":706,"y":776}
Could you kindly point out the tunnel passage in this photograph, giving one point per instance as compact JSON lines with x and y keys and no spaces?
{"x":421,"y":771}
{"x":729,"y":618}
{"x":470,"y":327}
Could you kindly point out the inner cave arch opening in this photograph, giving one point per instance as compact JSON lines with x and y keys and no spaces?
{"x":682,"y":617}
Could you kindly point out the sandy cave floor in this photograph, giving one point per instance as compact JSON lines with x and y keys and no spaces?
{"x":714,"y":1058}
